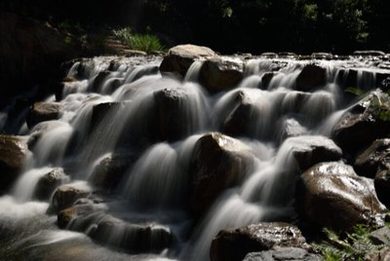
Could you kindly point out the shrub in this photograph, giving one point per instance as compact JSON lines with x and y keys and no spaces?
{"x":143,"y":42}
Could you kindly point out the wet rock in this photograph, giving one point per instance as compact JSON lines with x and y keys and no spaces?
{"x":66,"y":195}
{"x":221,"y":74}
{"x":64,"y":217}
{"x":266,"y":79}
{"x":381,"y":255}
{"x":374,"y":158}
{"x":232,"y":245}
{"x":291,"y":128}
{"x":49,"y":182}
{"x":173,"y":118}
{"x":310,"y":150}
{"x":365,"y":122}
{"x":369,"y":53}
{"x":41,"y":128}
{"x":109,"y":172}
{"x":43,"y":111}
{"x":381,"y":236}
{"x":217,"y":162}
{"x":283,"y":254}
{"x":382,"y":186}
{"x":269,"y":55}
{"x":100,"y":111}
{"x":332,"y":195}
{"x":98,"y":81}
{"x":13,"y":153}
{"x":322,"y":56}
{"x":179,"y":58}
{"x":310,"y":78}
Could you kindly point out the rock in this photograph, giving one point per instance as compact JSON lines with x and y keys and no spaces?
{"x":64,"y":217}
{"x":310,"y":78}
{"x":13,"y":153}
{"x":269,"y":55}
{"x":221,"y":74}
{"x":365,"y":122}
{"x":108,"y":173}
{"x":234,"y":245}
{"x":100,"y":111}
{"x":266,"y":79}
{"x":322,"y":56}
{"x":310,"y":150}
{"x":66,"y":195}
{"x":373,"y":159}
{"x":381,"y":255}
{"x":369,"y":53}
{"x":41,"y":128}
{"x":43,"y":111}
{"x":217,"y":162}
{"x":98,"y":81}
{"x":175,"y":114}
{"x":49,"y":182}
{"x":382,"y":186}
{"x":332,"y":195}
{"x":283,"y":254}
{"x":381,"y":236}
{"x":291,"y":128}
{"x":179,"y":58}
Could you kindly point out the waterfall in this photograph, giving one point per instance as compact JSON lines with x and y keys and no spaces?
{"x":149,"y":125}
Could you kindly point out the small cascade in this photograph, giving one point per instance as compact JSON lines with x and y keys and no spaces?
{"x":146,"y":134}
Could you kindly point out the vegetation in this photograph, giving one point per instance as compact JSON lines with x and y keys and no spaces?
{"x":229,"y":26}
{"x":143,"y":42}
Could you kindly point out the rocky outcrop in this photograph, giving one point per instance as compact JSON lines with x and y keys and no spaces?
{"x":13,"y":153}
{"x":217,"y":162}
{"x":332,"y":195}
{"x":283,"y":254}
{"x":365,"y":122}
{"x":66,"y":195}
{"x":179,"y":58}
{"x":43,"y":111}
{"x":221,"y":74}
{"x":49,"y":182}
{"x":310,"y":78}
{"x":234,"y":245}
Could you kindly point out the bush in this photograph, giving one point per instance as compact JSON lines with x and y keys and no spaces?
{"x":142,"y":42}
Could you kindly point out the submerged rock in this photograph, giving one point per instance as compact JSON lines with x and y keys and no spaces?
{"x":13,"y":153}
{"x":221,"y":74}
{"x":332,"y":195}
{"x":283,"y":254}
{"x":368,"y":120}
{"x":310,"y":78}
{"x":179,"y":58}
{"x":49,"y":182}
{"x":43,"y":111}
{"x":217,"y":162}
{"x":234,"y":245}
{"x":66,"y":195}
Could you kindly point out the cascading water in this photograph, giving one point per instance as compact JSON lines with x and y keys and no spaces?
{"x":137,"y":102}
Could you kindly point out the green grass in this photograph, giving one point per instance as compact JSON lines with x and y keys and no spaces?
{"x":142,"y":42}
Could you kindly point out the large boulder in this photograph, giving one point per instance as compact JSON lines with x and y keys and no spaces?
{"x":43,"y":111}
{"x":49,"y":182}
{"x":283,"y":254}
{"x":374,"y":158}
{"x":382,"y":186}
{"x":368,"y":120}
{"x":13,"y":153}
{"x":179,"y":58}
{"x":234,"y":245}
{"x":221,"y":74}
{"x":332,"y":195}
{"x":217,"y":162}
{"x":310,"y":78}
{"x":66,"y":195}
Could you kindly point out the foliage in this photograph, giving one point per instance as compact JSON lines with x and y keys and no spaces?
{"x":143,"y":42}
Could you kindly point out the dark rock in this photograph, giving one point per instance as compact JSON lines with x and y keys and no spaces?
{"x":266,"y":79}
{"x":13,"y":153}
{"x":221,"y":74}
{"x":382,"y":186}
{"x":310,"y":150}
{"x":43,"y":111}
{"x":49,"y":182}
{"x":283,"y":254}
{"x":66,"y":195}
{"x":234,"y":245}
{"x":322,"y":56}
{"x":363,"y":123}
{"x":381,"y":236}
{"x":369,"y":53}
{"x":310,"y":78}
{"x":332,"y":195}
{"x":100,"y":111}
{"x":373,"y":159}
{"x":291,"y":128}
{"x":109,"y":172}
{"x":179,"y":58}
{"x":217,"y":162}
{"x":99,"y":80}
{"x":64,"y":217}
{"x":269,"y":55}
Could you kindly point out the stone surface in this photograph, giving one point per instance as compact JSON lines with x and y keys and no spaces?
{"x":332,"y":195}
{"x":13,"y":153}
{"x":43,"y":111}
{"x":49,"y":182}
{"x":283,"y":254}
{"x":179,"y":58}
{"x":234,"y":245}
{"x":310,"y":78}
{"x":381,"y":236}
{"x":374,"y":158}
{"x":382,"y":186}
{"x":66,"y":195}
{"x":221,"y":74}
{"x":217,"y":162}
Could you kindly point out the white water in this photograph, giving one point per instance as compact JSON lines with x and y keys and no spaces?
{"x":155,"y":188}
